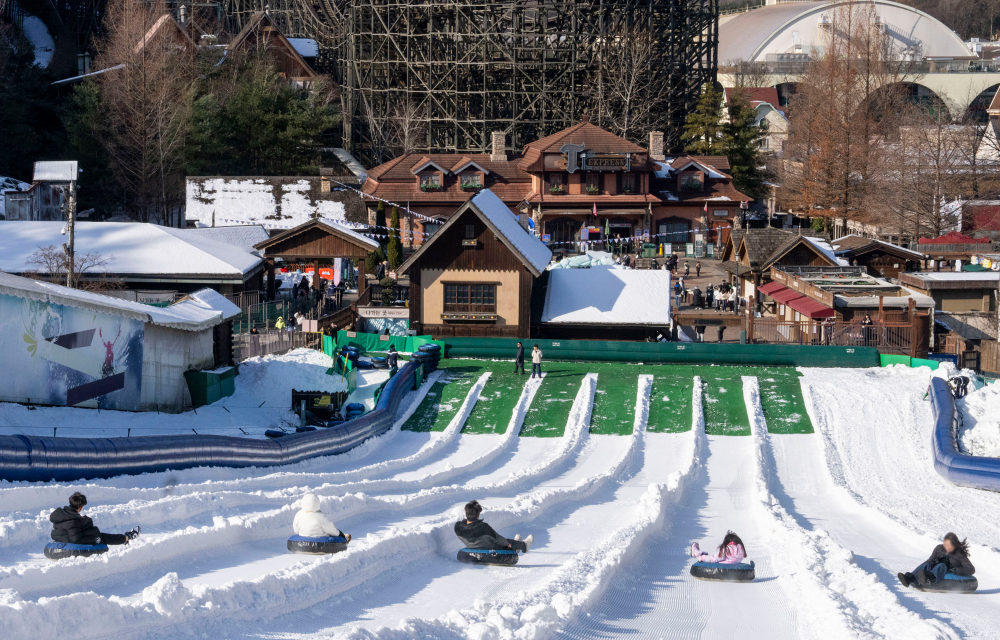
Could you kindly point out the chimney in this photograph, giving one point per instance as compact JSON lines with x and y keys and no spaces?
{"x":656,"y":146}
{"x":183,"y":14}
{"x":499,"y":154}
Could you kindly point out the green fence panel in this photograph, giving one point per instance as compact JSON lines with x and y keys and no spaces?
{"x":329,"y":345}
{"x":886,"y":359}
{"x":921,"y":362}
{"x":668,"y":352}
{"x":373,"y":342}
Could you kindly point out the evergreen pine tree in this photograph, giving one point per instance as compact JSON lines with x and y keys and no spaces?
{"x":380,"y":218}
{"x":741,"y":145}
{"x":395,"y":249}
{"x":704,"y":125}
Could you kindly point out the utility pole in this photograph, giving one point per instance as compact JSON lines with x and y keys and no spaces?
{"x":70,"y":223}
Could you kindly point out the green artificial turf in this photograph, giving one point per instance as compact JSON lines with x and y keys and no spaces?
{"x":445,"y":398}
{"x":782,"y":402}
{"x":614,"y":399}
{"x":496,"y":404}
{"x":549,"y":411}
{"x":669,"y":399}
{"x":722,"y":401}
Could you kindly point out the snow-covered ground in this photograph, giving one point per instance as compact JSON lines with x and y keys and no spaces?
{"x":262,"y":401}
{"x":980,"y":435}
{"x":828,"y":518}
{"x":38,"y":34}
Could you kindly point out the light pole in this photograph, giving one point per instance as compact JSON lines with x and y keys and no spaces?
{"x":736,"y":301}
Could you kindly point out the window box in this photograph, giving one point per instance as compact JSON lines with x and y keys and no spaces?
{"x":593,"y":189}
{"x":471,"y":186}
{"x":628,"y":190}
{"x":556,"y":189}
{"x":430,"y":186}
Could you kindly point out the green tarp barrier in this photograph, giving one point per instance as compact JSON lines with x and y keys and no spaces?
{"x":886,"y":359}
{"x":667,"y":352}
{"x":372,"y":342}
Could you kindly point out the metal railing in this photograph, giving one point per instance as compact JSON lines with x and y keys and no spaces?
{"x":273,"y":341}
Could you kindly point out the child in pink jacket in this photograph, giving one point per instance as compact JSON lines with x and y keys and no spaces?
{"x":731,"y":551}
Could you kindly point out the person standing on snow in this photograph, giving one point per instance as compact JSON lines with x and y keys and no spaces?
{"x":536,"y":362}
{"x":69,"y":526}
{"x":311,"y":523}
{"x":476,"y":534}
{"x":519,"y":359}
{"x":392,"y":359}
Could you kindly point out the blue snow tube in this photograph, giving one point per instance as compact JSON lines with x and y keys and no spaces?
{"x":60,"y":550}
{"x":723,"y":572}
{"x":504,"y":557}
{"x":951,"y":583}
{"x":317,"y":546}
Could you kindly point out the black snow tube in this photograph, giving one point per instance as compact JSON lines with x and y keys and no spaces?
{"x":317,"y":546}
{"x":723,"y":572}
{"x":60,"y":550}
{"x":504,"y":557}
{"x":951,"y":583}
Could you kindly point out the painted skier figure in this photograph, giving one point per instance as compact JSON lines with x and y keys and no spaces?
{"x":108,"y":368}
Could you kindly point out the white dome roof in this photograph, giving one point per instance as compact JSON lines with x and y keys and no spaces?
{"x":794,"y":27}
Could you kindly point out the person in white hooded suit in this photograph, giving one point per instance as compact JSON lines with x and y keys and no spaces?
{"x":311,"y":523}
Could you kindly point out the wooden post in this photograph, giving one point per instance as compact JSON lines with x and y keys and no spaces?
{"x":881,"y":310}
{"x":750,"y":315}
{"x":270,"y":279}
{"x":362,"y":277}
{"x":912,"y":313}
{"x":315,"y":282}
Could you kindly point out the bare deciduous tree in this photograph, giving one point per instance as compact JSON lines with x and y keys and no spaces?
{"x":630,"y":91}
{"x":396,"y":131}
{"x":146,"y":105}
{"x":51,"y":264}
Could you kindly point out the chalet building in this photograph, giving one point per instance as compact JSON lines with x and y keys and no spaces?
{"x":474,"y":277}
{"x":749,"y":255}
{"x":580,"y":184}
{"x":261,"y":35}
{"x":880,"y":259}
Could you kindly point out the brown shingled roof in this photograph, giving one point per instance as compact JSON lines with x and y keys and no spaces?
{"x":594,"y":137}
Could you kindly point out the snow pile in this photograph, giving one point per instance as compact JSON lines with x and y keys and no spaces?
{"x":38,"y":34}
{"x":980,"y":434}
{"x":608,"y":295}
{"x":838,"y":599}
{"x":272,"y":202}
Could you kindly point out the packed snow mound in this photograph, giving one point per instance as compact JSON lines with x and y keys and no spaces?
{"x":980,"y":434}
{"x":271,"y":378}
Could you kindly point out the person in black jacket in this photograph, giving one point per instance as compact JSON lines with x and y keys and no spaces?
{"x":519,"y":359}
{"x":951,"y":556}
{"x":476,"y":534}
{"x":71,"y":527}
{"x":392,"y":359}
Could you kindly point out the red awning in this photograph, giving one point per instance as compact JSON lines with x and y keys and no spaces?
{"x":771,"y":287}
{"x":811,"y":308}
{"x":784,"y":295}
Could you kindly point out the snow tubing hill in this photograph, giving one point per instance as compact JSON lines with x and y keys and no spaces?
{"x":741,"y":572}
{"x":60,"y":550}
{"x":330,"y":544}
{"x":959,"y":468}
{"x":504,"y":557}
{"x":952,"y":584}
{"x":40,"y":459}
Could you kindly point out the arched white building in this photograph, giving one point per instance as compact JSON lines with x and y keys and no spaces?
{"x":780,"y":30}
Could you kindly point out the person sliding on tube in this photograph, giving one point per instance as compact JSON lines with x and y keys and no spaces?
{"x":731,"y":551}
{"x":70,"y":527}
{"x":951,"y":556}
{"x":311,"y":523}
{"x":476,"y":534}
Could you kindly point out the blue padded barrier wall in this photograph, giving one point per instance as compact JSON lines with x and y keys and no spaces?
{"x":962,"y":469}
{"x":33,"y":458}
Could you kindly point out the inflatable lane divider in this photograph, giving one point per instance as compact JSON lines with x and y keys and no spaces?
{"x":39,"y":459}
{"x":956,"y":467}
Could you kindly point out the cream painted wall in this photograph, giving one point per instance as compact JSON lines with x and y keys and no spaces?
{"x":432,"y":282}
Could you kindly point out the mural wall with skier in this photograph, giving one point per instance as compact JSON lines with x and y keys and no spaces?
{"x":63,"y":355}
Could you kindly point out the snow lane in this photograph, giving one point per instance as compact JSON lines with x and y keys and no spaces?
{"x":835,"y":597}
{"x":658,"y":598}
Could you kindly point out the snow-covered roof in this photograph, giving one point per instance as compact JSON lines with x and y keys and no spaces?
{"x":956,"y":276}
{"x":529,"y":246}
{"x":337,"y":224}
{"x":56,"y":171}
{"x":824,"y":247}
{"x":131,"y":249}
{"x":242,"y":236}
{"x":607,"y":295}
{"x":201,"y":310}
{"x":274,"y":202}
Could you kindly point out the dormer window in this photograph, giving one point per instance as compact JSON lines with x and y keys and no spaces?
{"x":430,"y":181}
{"x":693,"y":181}
{"x":471,"y":181}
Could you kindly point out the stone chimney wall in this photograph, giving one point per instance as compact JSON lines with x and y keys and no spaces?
{"x":656,"y":146}
{"x":499,"y":153}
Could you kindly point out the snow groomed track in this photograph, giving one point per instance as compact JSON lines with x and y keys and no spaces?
{"x":615,"y":469}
